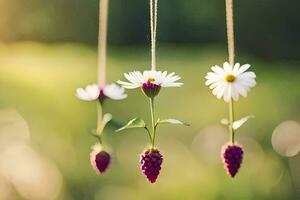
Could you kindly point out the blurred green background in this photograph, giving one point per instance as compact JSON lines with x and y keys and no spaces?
{"x":49,"y":49}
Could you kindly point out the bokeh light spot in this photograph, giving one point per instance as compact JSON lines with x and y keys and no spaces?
{"x":286,"y":138}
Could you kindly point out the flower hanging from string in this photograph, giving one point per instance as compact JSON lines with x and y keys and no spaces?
{"x":100,"y":158}
{"x":229,"y":83}
{"x":151,"y":82}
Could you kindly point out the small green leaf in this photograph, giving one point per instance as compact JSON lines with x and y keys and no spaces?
{"x":115,"y":124}
{"x":134,"y":123}
{"x":172,"y":121}
{"x":102,"y":122}
{"x":237,"y":124}
{"x":106,"y":118}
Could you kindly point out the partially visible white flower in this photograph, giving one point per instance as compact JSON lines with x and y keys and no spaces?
{"x":230,"y":82}
{"x":114,"y":91}
{"x":150,"y":81}
{"x":90,"y":93}
{"x":93,"y":92}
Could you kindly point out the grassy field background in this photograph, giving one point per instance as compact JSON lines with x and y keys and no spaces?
{"x":39,"y":82}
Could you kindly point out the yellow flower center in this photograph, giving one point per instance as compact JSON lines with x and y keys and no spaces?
{"x":150,"y":79}
{"x":230,"y":78}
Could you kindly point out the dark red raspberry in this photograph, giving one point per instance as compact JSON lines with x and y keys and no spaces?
{"x":232,"y":156}
{"x":150,"y":162}
{"x":100,"y":159}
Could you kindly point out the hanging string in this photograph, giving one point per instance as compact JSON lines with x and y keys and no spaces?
{"x":153,"y":25}
{"x":230,"y":31}
{"x":102,"y":40}
{"x":231,"y":55}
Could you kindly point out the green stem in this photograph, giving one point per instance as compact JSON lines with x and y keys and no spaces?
{"x":231,"y":120}
{"x":149,"y":134}
{"x":153,"y":121}
{"x":99,"y":120}
{"x":100,"y":139}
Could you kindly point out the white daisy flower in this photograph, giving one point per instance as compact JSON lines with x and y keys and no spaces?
{"x":150,"y":81}
{"x":94,"y":92}
{"x":230,"y":82}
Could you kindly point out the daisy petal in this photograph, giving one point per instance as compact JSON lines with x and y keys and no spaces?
{"x":244,"y":68}
{"x":90,"y":93}
{"x":115,"y":92}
